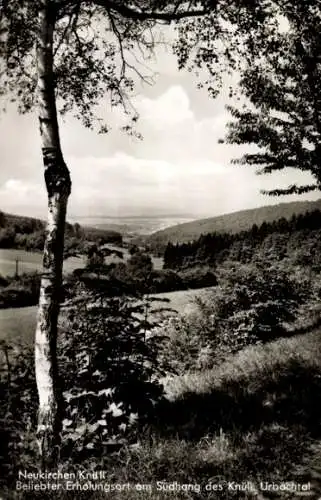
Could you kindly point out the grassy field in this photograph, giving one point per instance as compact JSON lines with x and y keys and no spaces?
{"x":29,"y":262}
{"x":19,"y":324}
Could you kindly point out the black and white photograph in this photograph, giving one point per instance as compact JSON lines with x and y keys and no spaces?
{"x":160,"y":249}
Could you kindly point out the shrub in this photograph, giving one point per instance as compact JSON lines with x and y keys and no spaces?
{"x":111,"y":382}
{"x":20,"y":291}
{"x":3,"y":281}
{"x":17,"y":411}
{"x":198,"y":277}
{"x":35,"y":240}
{"x":166,"y":280}
{"x":251,"y":305}
{"x":2,"y":219}
{"x":110,"y":369}
{"x":7,"y":237}
{"x":140,"y":266}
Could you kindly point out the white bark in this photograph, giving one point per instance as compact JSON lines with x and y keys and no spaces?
{"x":58,"y":188}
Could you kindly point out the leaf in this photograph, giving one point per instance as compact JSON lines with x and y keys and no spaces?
{"x":102,"y":422}
{"x":106,"y":392}
{"x":66,"y":422}
{"x":82,"y":429}
{"x":115,"y":410}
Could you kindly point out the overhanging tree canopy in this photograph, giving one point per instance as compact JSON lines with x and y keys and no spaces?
{"x":282,"y":116}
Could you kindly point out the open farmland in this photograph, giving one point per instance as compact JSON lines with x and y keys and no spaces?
{"x":19,"y":324}
{"x":29,"y":262}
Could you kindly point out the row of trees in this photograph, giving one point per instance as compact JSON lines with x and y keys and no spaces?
{"x":214,"y":247}
{"x":138,"y":274}
{"x":50,"y":57}
{"x":29,"y":234}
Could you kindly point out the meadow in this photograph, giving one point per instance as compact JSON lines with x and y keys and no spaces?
{"x":29,"y":262}
{"x":19,"y":324}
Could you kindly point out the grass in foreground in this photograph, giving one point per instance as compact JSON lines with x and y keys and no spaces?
{"x":255,"y":418}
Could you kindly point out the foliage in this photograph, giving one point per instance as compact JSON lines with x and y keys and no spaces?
{"x":198,"y":277}
{"x":270,"y":241}
{"x":109,"y":363}
{"x":2,"y":219}
{"x":17,"y":410}
{"x":209,"y":36}
{"x":138,"y":274}
{"x":140,"y":266}
{"x":110,"y":378}
{"x":207,"y":430}
{"x":166,"y":280}
{"x":258,"y":303}
{"x":28,"y":233}
{"x":214,"y":424}
{"x":281,"y":116}
{"x":20,"y":291}
{"x":95,"y":258}
{"x":232,"y":223}
{"x":3,"y":281}
{"x":7,"y":237}
{"x":251,"y":305}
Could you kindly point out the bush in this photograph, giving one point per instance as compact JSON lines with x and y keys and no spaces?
{"x":110,"y":370}
{"x":198,"y":277}
{"x":3,"y":281}
{"x":140,"y":266}
{"x":110,"y":373}
{"x":7,"y":237}
{"x":2,"y":219}
{"x":18,"y":398}
{"x":251,"y":305}
{"x":166,"y":280}
{"x":20,"y":291}
{"x":36,"y":240}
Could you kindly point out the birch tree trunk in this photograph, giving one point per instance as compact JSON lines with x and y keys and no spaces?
{"x":58,"y":186}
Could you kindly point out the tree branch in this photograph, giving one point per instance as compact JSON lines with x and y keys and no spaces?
{"x":124,"y":62}
{"x":130,"y":13}
{"x":294,"y":189}
{"x":71,"y":25}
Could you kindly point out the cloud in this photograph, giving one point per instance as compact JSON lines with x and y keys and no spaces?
{"x":169,"y":109}
{"x":23,"y":197}
{"x":178,"y":167}
{"x":122,"y":181}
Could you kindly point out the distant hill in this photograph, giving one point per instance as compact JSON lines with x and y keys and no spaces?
{"x":135,"y":225}
{"x":28,"y":233}
{"x":229,"y":223}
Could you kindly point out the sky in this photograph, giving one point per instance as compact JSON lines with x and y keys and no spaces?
{"x":178,"y":168}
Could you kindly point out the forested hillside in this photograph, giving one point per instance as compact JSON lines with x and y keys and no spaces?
{"x":229,"y":223}
{"x":297,"y":239}
{"x":28,"y":233}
